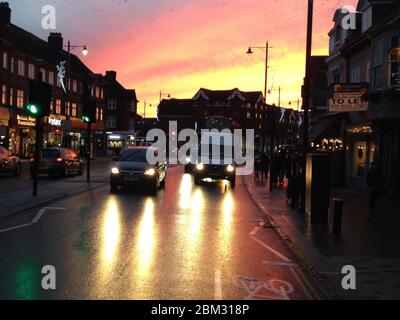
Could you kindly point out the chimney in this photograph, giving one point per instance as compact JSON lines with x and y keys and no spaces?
{"x":111,"y":75}
{"x":5,"y":13}
{"x":56,"y":40}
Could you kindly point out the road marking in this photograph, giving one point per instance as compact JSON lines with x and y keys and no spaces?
{"x":41,"y":212}
{"x":258,"y":290}
{"x":280,"y":255}
{"x":256,"y":229}
{"x":301,"y":283}
{"x":281,"y":264}
{"x":307,"y":282}
{"x":34,"y":220}
{"x":218,"y":286}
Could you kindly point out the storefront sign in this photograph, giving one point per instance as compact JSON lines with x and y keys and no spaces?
{"x":348,"y":98}
{"x":4,"y":117}
{"x":55,"y":121}
{"x":26,"y":121}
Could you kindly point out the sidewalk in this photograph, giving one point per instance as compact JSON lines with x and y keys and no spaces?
{"x":369,"y":243}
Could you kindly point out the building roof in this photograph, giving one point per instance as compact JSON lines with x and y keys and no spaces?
{"x":252,"y":96}
{"x":178,"y":106}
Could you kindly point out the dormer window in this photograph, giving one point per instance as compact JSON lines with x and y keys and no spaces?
{"x":366,"y":19}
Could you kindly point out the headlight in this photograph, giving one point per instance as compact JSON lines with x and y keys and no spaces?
{"x":188,"y":160}
{"x":150,"y":172}
{"x":115,"y":170}
{"x":230,"y":168}
{"x":200,"y":166}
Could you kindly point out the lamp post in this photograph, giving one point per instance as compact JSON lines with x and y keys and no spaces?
{"x":249,"y":52}
{"x":68,"y":77}
{"x":306,"y":105}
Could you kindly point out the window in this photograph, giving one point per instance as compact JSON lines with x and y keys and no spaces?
{"x":395,"y":62}
{"x":366,"y":19}
{"x":67,"y":109}
{"x":111,"y":122}
{"x":31,"y":71}
{"x":360,"y":158}
{"x":58,"y":106}
{"x":112,"y":104}
{"x":74,"y":86}
{"x":20,"y":98}
{"x":12,"y":65}
{"x":51,"y":78}
{"x":133,"y":106}
{"x":336,"y":76}
{"x":5,"y":60}
{"x":11,"y":97}
{"x":377,"y":64}
{"x":74,"y":110}
{"x":43,"y":72}
{"x":21,"y":68}
{"x":97,"y":92}
{"x":355,"y":74}
{"x":3,"y":94}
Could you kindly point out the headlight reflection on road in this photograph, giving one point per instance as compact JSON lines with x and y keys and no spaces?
{"x":185,"y":192}
{"x":225,"y":233}
{"x":111,"y":231}
{"x":146,"y":238}
{"x":196,"y":217}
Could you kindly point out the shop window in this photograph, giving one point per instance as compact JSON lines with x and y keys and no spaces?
{"x":360,"y":159}
{"x":20,"y":98}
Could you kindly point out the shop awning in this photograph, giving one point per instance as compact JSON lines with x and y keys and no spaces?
{"x":318,"y":130}
{"x":4,"y":116}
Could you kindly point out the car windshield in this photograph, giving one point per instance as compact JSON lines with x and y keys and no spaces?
{"x":50,"y":154}
{"x":134,"y":155}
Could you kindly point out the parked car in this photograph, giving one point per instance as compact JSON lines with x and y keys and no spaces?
{"x":59,"y":161}
{"x":132,"y":168}
{"x":9,"y":163}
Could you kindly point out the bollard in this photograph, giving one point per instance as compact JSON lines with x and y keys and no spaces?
{"x":337,"y":216}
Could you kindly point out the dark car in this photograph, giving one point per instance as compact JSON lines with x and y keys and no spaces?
{"x":9,"y":163}
{"x":132,"y":168}
{"x":216,"y":170}
{"x":59,"y":161}
{"x":191,"y":162}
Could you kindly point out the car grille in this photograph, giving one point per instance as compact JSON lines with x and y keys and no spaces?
{"x":131,"y":173}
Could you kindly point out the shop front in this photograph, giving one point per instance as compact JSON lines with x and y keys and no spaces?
{"x":118,"y":141}
{"x":360,"y":153}
{"x":52,"y":130}
{"x":22,"y":135}
{"x":4,"y":122}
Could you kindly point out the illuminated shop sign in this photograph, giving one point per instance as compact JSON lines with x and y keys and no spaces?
{"x":26,"y":121}
{"x":55,"y":122}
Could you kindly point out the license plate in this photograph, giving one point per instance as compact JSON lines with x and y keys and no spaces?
{"x":131,"y":179}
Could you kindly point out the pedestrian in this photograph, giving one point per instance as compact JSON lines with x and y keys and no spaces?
{"x":281,"y":167}
{"x":263,"y":167}
{"x":376,"y":186}
{"x":274,"y":171}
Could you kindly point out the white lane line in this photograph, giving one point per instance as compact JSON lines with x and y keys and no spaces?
{"x":218,"y":285}
{"x":278,"y":254}
{"x":42,"y":211}
{"x":15,"y":228}
{"x":34,"y":220}
{"x":256,"y":229}
{"x":281,"y":264}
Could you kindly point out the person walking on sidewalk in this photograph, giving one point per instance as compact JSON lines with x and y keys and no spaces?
{"x":375,"y":184}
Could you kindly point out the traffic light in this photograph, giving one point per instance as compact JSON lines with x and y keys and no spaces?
{"x":39,"y":99}
{"x":89,"y":111}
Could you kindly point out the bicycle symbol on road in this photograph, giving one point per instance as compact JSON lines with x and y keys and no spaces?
{"x":254,"y":288}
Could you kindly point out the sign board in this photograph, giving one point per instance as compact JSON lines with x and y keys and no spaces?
{"x":26,"y":121}
{"x":348,"y":98}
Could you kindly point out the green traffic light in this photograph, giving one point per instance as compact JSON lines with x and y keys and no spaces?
{"x":33,"y":109}
{"x":86,"y":119}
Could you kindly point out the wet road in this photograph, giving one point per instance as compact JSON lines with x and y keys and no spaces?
{"x":188,"y":242}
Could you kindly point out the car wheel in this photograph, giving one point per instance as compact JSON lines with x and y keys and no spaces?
{"x":113,"y":188}
{"x":17,"y":171}
{"x":233,"y":182}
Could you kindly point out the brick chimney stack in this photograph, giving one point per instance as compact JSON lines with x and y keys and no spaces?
{"x":111,"y":75}
{"x":56,"y":40}
{"x":5,"y":13}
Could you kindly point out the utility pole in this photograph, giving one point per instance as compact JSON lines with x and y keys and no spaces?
{"x":306,"y":106}
{"x":89,"y":152}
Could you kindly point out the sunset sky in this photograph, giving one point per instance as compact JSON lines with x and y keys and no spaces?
{"x":178,"y":46}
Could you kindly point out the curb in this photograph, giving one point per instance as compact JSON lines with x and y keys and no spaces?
{"x":326,"y":289}
{"x":40,"y":203}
